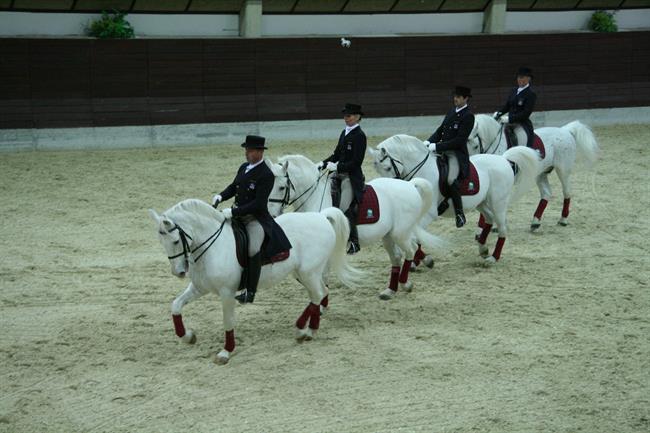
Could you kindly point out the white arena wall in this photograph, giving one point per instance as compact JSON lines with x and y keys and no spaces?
{"x":201,"y":25}
{"x":125,"y":137}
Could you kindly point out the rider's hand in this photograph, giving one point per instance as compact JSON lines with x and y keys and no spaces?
{"x":320,"y":165}
{"x":426,"y":143}
{"x":216,"y":200}
{"x":332,"y":166}
{"x":432,"y":147}
{"x":227,"y":213}
{"x":503,"y":119}
{"x":496,"y":115}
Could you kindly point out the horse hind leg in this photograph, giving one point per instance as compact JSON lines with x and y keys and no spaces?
{"x":565,"y":180}
{"x":395,"y":256}
{"x":545,"y":194}
{"x":309,"y":321}
{"x":408,"y":245}
{"x":500,"y":217}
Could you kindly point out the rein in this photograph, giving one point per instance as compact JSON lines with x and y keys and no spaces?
{"x":497,"y":140}
{"x":186,"y":246}
{"x":286,"y":200}
{"x":410,"y":174}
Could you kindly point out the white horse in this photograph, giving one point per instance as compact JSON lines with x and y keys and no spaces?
{"x":401,"y":206}
{"x":561,"y":146}
{"x":200,"y":242}
{"x":405,"y":157}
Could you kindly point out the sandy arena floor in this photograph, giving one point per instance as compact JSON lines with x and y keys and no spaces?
{"x":555,"y":338}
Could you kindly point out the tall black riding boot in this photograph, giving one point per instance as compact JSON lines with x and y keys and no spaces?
{"x":353,"y":241}
{"x":511,"y":135}
{"x":457,"y":200}
{"x":252,"y":279}
{"x":335,"y":190}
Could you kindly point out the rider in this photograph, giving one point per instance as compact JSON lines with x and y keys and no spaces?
{"x":519,"y":106}
{"x":346,"y":161}
{"x":251,"y":188}
{"x":451,"y":139}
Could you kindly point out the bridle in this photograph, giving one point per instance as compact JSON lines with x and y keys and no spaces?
{"x":186,"y":245}
{"x":410,"y":174}
{"x":286,"y":199}
{"x":496,"y":141}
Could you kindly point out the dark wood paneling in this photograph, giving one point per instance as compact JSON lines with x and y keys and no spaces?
{"x":87,"y":82}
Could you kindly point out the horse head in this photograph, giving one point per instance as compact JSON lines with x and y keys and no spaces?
{"x":174,"y":241}
{"x":398,"y":155}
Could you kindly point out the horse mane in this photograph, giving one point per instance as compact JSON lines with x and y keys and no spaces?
{"x":305,"y":171}
{"x":488,"y":127}
{"x":189,"y":209}
{"x":402,"y":144}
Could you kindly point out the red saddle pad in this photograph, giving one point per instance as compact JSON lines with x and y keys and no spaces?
{"x":471,"y":184}
{"x":538,"y":145}
{"x":369,"y":207}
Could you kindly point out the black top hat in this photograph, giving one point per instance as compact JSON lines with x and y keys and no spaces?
{"x":254,"y":142}
{"x":524,"y":72}
{"x":352,"y":109}
{"x":465,"y":92}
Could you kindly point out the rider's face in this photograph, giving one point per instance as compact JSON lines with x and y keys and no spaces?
{"x":459,"y":101}
{"x":351,"y":119}
{"x":254,"y":155}
{"x":522,"y":80}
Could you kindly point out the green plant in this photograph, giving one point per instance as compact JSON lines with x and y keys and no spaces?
{"x":111,"y":25}
{"x":603,"y":21}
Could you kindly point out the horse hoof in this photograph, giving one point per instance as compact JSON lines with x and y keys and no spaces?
{"x":323,"y":309}
{"x":414,"y":267}
{"x":534,"y":227}
{"x":407,"y":287}
{"x":563,"y":222}
{"x":483,"y":251}
{"x":428,"y":262}
{"x":489,"y":261}
{"x":222,"y":357}
{"x":304,"y":335}
{"x":189,"y":337}
{"x":387,"y":294}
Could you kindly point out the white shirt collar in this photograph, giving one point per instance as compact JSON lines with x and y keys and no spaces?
{"x":519,"y":89}
{"x":249,"y":167}
{"x":350,"y":128}
{"x":461,"y":108}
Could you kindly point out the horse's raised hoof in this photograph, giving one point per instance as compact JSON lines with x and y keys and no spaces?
{"x":428,"y":262}
{"x":535,"y":224}
{"x":189,"y":337}
{"x":304,"y":334}
{"x":407,"y":287}
{"x":489,"y":261}
{"x":387,"y":294}
{"x":222,"y":357}
{"x":563,"y":222}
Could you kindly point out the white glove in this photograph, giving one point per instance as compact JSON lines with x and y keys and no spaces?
{"x":227,"y":213}
{"x":432,"y":147}
{"x":331,"y":166}
{"x":503,"y":119}
{"x":320,"y":165}
{"x":496,"y":115}
{"x":216,"y":200}
{"x":426,"y":143}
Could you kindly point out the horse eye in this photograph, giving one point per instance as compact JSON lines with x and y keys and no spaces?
{"x":282,"y":188}
{"x":176,"y":241}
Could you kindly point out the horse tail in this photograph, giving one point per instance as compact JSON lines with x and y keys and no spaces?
{"x":587,"y":145}
{"x":425,"y":238}
{"x":338,"y":261}
{"x":527,"y":168}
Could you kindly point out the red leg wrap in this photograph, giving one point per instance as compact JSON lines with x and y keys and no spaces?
{"x":540,"y":208}
{"x":484,"y":233}
{"x":230,"y":340}
{"x":178,"y":324}
{"x":565,"y":207}
{"x":481,"y":221}
{"x":394,"y":276}
{"x":302,"y":320}
{"x":419,"y":255}
{"x":325,"y":302}
{"x":497,"y":249}
{"x":404,"y":275}
{"x":314,"y":317}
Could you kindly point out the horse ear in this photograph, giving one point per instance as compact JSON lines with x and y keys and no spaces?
{"x":285,"y":165}
{"x":167,"y":223}
{"x":383,"y":151}
{"x":154,"y":215}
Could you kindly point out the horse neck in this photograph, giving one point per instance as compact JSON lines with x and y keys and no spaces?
{"x":201,"y":228}
{"x":495,"y":143}
{"x":316,"y":200}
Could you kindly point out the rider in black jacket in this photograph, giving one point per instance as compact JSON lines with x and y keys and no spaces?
{"x":519,"y":107}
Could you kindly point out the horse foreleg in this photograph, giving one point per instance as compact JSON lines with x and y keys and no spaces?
{"x":500,"y":216}
{"x":228,"y":309}
{"x":545,"y":194}
{"x":188,"y":295}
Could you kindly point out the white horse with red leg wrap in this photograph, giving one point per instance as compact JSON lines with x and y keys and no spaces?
{"x":402,"y":204}
{"x":404,"y":156}
{"x":561,"y":145}
{"x":199,"y":242}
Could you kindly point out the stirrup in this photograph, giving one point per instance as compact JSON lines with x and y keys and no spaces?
{"x":245,"y":297}
{"x":353,"y":248}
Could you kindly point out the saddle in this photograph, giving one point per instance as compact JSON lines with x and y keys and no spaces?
{"x":369,"y":207}
{"x":511,"y":141}
{"x":241,"y":250}
{"x":467,"y":186}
